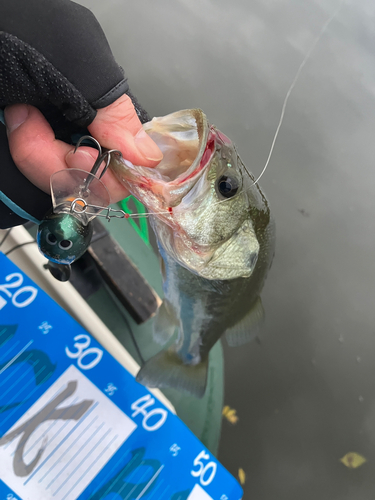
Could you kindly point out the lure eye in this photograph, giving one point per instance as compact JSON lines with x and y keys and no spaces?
{"x":65,"y":244}
{"x":228,"y":186}
{"x":51,"y":239}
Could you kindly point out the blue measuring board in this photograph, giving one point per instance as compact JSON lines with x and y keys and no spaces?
{"x":74,"y":423}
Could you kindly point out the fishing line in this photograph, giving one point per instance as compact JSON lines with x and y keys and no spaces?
{"x":5,"y":237}
{"x":146,"y":214}
{"x":292,"y":85}
{"x":283,"y":109}
{"x":301,"y":66}
{"x":19,"y":246}
{"x":125,"y":319}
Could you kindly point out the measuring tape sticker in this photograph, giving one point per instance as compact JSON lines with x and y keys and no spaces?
{"x":74,"y":423}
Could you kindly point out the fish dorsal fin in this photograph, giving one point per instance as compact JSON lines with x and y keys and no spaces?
{"x":164,"y":324}
{"x":248,"y":328}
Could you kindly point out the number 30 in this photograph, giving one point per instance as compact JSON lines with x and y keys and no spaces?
{"x":82,"y":352}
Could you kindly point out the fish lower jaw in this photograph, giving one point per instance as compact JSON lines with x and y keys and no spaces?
{"x":223,"y":274}
{"x":235,"y":258}
{"x":220,"y":267}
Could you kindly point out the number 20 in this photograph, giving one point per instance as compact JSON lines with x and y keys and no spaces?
{"x":16,"y":284}
{"x":203,"y":469}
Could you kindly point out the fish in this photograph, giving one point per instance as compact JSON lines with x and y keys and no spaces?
{"x":216,"y":238}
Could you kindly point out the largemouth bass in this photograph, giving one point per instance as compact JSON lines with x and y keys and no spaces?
{"x":216,"y":239}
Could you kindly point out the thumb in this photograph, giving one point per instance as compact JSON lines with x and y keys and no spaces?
{"x":118,"y":127}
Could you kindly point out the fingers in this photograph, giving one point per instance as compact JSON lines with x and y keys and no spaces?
{"x":33,"y":146}
{"x":38,"y":154}
{"x":118,"y":127}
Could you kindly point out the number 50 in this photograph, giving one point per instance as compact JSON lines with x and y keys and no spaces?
{"x":203,"y":472}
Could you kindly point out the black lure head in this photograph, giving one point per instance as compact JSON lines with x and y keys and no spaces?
{"x":63,"y":238}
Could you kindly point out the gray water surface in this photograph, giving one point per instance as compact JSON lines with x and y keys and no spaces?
{"x":305,"y":396}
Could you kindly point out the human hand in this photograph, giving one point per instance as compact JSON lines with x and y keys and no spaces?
{"x":38,"y":154}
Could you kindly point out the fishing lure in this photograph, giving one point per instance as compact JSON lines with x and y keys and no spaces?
{"x":77,"y":198}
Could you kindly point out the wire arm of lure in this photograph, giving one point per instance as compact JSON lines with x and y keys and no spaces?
{"x":80,"y":206}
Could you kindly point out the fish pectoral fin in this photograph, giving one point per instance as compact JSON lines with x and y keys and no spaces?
{"x":166,"y":369}
{"x":248,"y":328}
{"x":164,"y":325}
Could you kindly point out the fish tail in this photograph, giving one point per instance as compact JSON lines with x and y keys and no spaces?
{"x":166,"y":369}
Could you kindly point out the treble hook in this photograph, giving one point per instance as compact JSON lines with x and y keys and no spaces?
{"x":88,"y":137}
{"x":101,"y":157}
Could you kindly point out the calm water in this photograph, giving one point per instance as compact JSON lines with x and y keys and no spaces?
{"x":306,"y":395}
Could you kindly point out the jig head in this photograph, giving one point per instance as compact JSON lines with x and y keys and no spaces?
{"x":77,"y":197}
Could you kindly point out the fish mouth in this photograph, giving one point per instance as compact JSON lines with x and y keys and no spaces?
{"x":182,"y":138}
{"x":187,"y":146}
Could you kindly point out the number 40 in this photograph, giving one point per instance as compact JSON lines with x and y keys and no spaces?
{"x":203,"y":472}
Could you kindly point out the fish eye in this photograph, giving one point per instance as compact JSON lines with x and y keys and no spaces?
{"x":51,"y":239}
{"x":228,"y":185}
{"x":65,"y":244}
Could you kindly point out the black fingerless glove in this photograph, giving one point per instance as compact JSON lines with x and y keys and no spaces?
{"x":53,"y":55}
